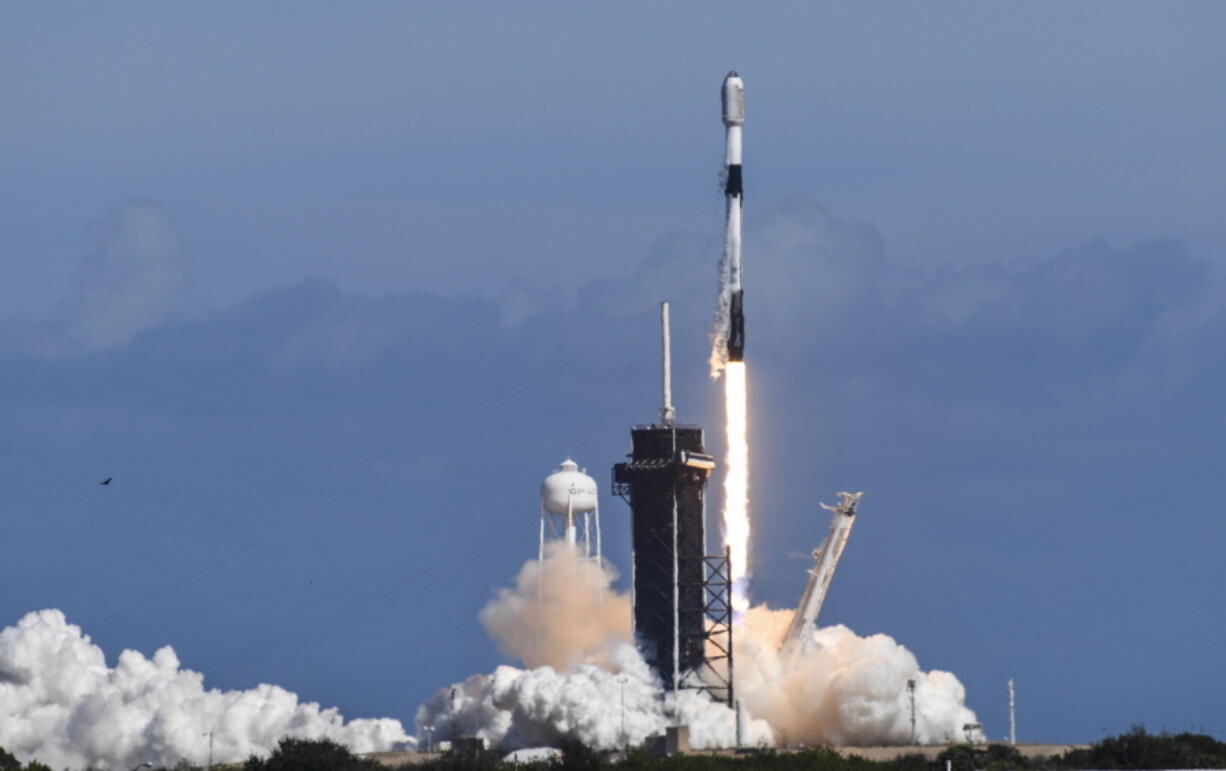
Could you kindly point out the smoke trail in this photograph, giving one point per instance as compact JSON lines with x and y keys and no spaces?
{"x":719,"y":329}
{"x":62,"y":704}
{"x":845,"y":690}
{"x":736,"y":481}
{"x":723,"y":298}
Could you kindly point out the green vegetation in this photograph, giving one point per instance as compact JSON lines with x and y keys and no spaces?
{"x":820,"y":758}
{"x":311,"y":755}
{"x":1136,"y":750}
{"x":10,"y":763}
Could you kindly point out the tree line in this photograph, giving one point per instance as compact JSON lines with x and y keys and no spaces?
{"x":1134,"y":750}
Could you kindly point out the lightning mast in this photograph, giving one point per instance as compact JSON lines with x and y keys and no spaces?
{"x":1012,"y":715}
{"x":827,"y":557}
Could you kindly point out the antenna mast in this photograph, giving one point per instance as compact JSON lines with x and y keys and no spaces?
{"x":667,"y":414}
{"x":1012,"y":716}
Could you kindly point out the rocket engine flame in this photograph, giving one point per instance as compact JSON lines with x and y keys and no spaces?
{"x":736,"y":481}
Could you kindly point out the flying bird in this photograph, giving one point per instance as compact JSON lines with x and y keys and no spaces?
{"x":106,"y":481}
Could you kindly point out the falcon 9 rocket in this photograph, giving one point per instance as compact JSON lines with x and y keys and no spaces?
{"x":733,"y":97}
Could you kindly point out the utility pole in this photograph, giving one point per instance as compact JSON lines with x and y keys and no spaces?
{"x":622,"y":681}
{"x":911,"y":691}
{"x":210,"y":735}
{"x":1012,"y":715}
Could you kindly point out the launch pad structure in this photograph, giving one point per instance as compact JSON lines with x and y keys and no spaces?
{"x":682,"y":595}
{"x":799,"y":636}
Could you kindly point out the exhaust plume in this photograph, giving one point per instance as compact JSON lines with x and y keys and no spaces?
{"x":563,"y":620}
{"x":566,"y":623}
{"x":561,"y":611}
{"x":844,"y":689}
{"x":736,"y":481}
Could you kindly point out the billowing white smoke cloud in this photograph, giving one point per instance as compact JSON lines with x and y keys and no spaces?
{"x":62,"y":704}
{"x":844,"y":689}
{"x":610,"y":706}
{"x":564,"y":621}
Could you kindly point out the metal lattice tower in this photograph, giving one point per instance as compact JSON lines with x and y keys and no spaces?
{"x":682,"y":595}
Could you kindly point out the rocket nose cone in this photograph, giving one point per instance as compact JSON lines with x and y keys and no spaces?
{"x":732,"y":95}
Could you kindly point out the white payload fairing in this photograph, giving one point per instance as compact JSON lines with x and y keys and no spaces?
{"x":732,"y":94}
{"x":800,"y":631}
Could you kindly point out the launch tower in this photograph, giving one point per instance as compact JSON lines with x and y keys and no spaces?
{"x":682,"y":602}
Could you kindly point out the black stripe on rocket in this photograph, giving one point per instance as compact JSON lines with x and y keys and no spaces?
{"x":733,"y":184}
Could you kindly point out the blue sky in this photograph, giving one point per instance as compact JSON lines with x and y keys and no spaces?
{"x":329,"y":291}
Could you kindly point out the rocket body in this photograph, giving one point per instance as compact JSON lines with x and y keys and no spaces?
{"x":732,"y":95}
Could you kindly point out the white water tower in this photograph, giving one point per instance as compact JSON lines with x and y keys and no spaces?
{"x":569,"y":504}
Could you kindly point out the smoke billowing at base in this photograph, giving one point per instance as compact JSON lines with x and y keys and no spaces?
{"x":60,"y":703}
{"x":565,"y":623}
